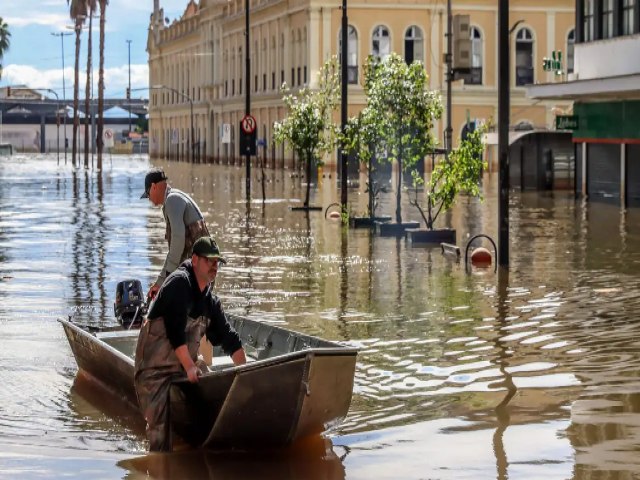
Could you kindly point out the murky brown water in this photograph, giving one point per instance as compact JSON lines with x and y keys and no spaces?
{"x":460,"y":375}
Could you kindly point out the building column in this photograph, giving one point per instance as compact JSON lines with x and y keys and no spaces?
{"x":326,"y":33}
{"x":585,"y":146}
{"x":551,"y":42}
{"x":312,"y":47}
{"x":623,"y":175}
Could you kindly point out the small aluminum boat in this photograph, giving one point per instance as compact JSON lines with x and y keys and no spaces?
{"x":293,"y":386}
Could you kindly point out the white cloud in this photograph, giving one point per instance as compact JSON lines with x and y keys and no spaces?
{"x":116,"y":79}
{"x":53,"y":20}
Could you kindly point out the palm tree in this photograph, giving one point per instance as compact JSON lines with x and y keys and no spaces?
{"x":77,"y":12}
{"x":91,"y":7}
{"x":103,"y":8}
{"x":5,"y":34}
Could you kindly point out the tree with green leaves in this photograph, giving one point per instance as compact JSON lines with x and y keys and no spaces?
{"x":5,"y":41}
{"x":461,"y":172}
{"x":309,"y":127}
{"x":404,"y":111}
{"x":362,"y":139}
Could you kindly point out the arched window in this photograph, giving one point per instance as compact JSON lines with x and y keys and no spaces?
{"x":352,"y":53}
{"x":571,"y":40}
{"x":413,"y":45}
{"x":380,"y":42}
{"x":524,"y":57}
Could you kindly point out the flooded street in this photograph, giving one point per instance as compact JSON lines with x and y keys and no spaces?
{"x":459,"y":376}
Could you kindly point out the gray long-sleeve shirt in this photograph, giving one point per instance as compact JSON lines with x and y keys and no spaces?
{"x":179,"y":211}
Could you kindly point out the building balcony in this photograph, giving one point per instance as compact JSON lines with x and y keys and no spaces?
{"x":607,"y":58}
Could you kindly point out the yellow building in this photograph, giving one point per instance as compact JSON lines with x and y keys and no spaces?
{"x":196,"y":63}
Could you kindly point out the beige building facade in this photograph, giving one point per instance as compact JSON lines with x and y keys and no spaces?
{"x":196,"y":63}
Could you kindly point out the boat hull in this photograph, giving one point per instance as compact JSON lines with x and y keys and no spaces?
{"x":297,"y":386}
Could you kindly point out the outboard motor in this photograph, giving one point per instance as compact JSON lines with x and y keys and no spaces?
{"x":130,"y":306}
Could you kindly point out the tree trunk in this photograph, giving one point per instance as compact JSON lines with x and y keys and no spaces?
{"x":99,"y":143}
{"x":372,"y":212}
{"x":309,"y":160}
{"x":76,"y":119}
{"x":87,"y":96}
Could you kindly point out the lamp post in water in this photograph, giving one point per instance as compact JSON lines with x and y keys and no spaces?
{"x":503,"y":132}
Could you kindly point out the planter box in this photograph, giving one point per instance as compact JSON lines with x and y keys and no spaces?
{"x":394,"y":229}
{"x":367,"y":222}
{"x":422,"y":236}
{"x":310,"y":208}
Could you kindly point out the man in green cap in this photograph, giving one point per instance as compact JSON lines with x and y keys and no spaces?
{"x":184,"y":310}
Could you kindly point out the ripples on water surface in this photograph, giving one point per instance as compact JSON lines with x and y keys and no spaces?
{"x":460,"y":375}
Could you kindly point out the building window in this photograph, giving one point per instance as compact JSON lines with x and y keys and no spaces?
{"x":352,"y":54}
{"x":413,"y":45}
{"x":628,"y":17}
{"x":524,"y":57}
{"x":571,"y":40}
{"x":233,"y":87}
{"x":299,"y":77}
{"x":380,"y":42}
{"x":588,"y":28}
{"x":476,"y":57}
{"x":293,"y":76}
{"x":304,"y":74}
{"x":264,"y":82}
{"x":273,"y":80}
{"x":281,"y":77}
{"x":607,"y":18}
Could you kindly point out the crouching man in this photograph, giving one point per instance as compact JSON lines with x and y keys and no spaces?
{"x":184,"y":311}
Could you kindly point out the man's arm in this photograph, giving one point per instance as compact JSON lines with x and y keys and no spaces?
{"x":174,"y":208}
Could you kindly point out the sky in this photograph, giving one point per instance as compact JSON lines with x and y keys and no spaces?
{"x":35,"y":55}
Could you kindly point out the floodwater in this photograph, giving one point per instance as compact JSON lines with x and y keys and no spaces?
{"x":460,"y":375}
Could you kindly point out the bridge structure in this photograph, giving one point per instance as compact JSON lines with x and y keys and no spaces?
{"x":19,"y":112}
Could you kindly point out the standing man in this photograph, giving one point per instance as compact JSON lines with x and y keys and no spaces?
{"x":183,"y":219}
{"x":185,"y":309}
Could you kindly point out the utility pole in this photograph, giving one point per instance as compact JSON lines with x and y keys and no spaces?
{"x":448,"y":132}
{"x":129,"y":89}
{"x":344,"y":52}
{"x":64,"y":90}
{"x":503,"y":132}
{"x":247,"y":83}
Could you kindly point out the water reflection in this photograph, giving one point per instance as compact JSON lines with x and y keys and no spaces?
{"x":311,"y":459}
{"x":459,"y":376}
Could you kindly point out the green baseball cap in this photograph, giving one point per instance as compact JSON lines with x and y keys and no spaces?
{"x":207,"y":247}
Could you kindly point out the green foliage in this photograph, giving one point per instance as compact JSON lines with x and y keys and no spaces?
{"x":399,"y":115}
{"x":462,"y":172}
{"x":309,"y":128}
{"x":5,"y":42}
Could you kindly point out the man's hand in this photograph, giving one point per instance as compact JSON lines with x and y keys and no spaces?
{"x":153,"y":291}
{"x":193,"y":373}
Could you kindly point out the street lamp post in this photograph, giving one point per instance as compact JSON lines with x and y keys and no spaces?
{"x":247,"y":92}
{"x":503,"y":132}
{"x":344,"y":52}
{"x":129,"y":90}
{"x":184,"y":95}
{"x":64,"y":98}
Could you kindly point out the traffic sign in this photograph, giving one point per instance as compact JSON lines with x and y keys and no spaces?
{"x":107,"y":136}
{"x":226,"y":133}
{"x":248,"y":124}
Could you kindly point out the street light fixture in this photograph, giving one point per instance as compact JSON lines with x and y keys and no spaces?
{"x":184,"y":95}
{"x":129,"y":89}
{"x":64,"y":98}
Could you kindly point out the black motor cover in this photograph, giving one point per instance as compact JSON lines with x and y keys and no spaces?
{"x":129,"y":306}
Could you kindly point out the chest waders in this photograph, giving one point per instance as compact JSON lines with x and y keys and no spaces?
{"x":156,"y":366}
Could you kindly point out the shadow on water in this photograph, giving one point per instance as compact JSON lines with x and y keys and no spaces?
{"x":310,"y":459}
